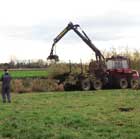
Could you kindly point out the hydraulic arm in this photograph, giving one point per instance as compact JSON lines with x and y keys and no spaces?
{"x":82,"y":35}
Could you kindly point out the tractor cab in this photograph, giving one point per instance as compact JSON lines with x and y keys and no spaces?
{"x":120,"y":72}
{"x":117,"y":63}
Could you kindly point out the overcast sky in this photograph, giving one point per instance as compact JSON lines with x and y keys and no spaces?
{"x":28,"y":27}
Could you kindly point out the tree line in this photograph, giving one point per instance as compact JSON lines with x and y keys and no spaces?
{"x":15,"y":64}
{"x":133,"y":56}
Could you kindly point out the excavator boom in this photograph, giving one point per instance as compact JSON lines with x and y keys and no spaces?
{"x":83,"y":36}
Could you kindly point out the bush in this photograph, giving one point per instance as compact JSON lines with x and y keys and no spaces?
{"x":57,"y":69}
{"x":20,"y":86}
{"x":17,"y":86}
{"x":35,"y":85}
{"x":44,"y":85}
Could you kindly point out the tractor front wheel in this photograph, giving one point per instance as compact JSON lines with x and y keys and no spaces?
{"x":123,"y":83}
{"x":134,"y":83}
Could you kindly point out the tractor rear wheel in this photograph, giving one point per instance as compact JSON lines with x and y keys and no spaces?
{"x":123,"y":83}
{"x":134,"y":83}
{"x":97,"y":84}
{"x":85,"y":84}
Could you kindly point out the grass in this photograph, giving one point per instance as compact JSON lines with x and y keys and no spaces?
{"x":107,"y":114}
{"x":27,"y":73}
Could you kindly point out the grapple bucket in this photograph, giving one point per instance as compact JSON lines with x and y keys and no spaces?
{"x":53,"y":57}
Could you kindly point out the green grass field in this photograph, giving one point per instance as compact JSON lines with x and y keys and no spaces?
{"x":27,"y":73}
{"x":107,"y":114}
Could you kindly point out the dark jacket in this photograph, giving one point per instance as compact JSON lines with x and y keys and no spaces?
{"x":6,"y":78}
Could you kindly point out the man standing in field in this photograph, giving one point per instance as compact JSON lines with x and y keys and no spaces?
{"x":6,"y":78}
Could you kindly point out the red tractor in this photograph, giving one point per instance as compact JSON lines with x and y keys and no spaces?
{"x":120,"y":74}
{"x":112,"y":72}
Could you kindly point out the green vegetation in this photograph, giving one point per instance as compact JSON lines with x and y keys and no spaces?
{"x":34,"y":85}
{"x":51,"y":71}
{"x":27,"y":73}
{"x":106,"y":114}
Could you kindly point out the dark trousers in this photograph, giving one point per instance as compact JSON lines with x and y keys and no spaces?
{"x":6,"y":94}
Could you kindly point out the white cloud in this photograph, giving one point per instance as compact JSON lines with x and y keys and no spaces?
{"x":27,"y":28}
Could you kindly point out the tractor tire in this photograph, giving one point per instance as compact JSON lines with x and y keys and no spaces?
{"x":97,"y":84}
{"x":85,"y":85}
{"x":134,"y":83}
{"x":123,"y":83}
